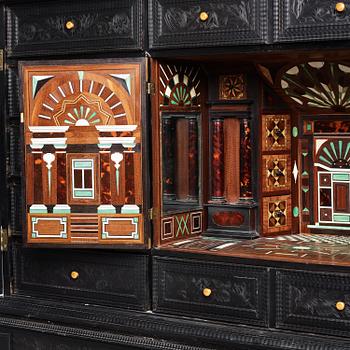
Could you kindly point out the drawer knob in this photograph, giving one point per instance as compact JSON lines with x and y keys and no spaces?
{"x":340,"y":305}
{"x":74,"y":275}
{"x":340,"y":7}
{"x":203,"y":16}
{"x":70,"y":25}
{"x":207,"y":292}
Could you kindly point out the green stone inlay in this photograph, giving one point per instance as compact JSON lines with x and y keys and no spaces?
{"x":83,"y":194}
{"x":305,"y":189}
{"x":86,"y":164}
{"x":308,"y":127}
{"x":341,"y":218}
{"x":295,"y":131}
{"x":295,"y":212}
{"x":325,"y":160}
{"x":334,"y":151}
{"x":104,"y":236}
{"x":135,"y":220}
{"x":305,"y":173}
{"x":306,"y":210}
{"x":33,"y":235}
{"x":81,"y":75}
{"x":305,"y":154}
{"x":325,"y":150}
{"x":347,"y":150}
{"x":340,"y":177}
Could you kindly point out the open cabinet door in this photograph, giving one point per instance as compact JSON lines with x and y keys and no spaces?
{"x":177,"y":148}
{"x":84,"y":137}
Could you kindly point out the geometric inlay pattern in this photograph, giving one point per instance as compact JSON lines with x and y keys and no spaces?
{"x":232,"y":87}
{"x":277,"y":133}
{"x":319,"y":85}
{"x":277,"y":169}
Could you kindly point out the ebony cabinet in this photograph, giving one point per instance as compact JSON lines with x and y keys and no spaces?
{"x":302,"y":20}
{"x":79,"y":26}
{"x":99,"y":278}
{"x":218,"y":291}
{"x":188,"y":23}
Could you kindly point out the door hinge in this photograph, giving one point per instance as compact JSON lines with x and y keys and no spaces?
{"x":150,"y":214}
{"x":4,"y":238}
{"x":151,"y":88}
{"x":1,"y":59}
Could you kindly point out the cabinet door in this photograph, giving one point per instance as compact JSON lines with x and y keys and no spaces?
{"x":84,"y":141}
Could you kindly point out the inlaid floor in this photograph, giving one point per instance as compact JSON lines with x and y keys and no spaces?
{"x":304,"y":248}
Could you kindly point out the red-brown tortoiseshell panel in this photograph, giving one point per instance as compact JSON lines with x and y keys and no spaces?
{"x":83,"y":148}
{"x":277,"y":214}
{"x":228,"y":218}
{"x":276,"y":133}
{"x":276,"y":173}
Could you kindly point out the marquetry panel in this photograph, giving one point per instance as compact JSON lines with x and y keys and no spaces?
{"x":277,"y":173}
{"x":277,"y":214}
{"x":276,"y":133}
{"x":232,"y":87}
{"x":84,"y":164}
{"x":181,"y":226}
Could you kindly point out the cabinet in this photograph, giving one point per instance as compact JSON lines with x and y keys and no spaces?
{"x":172,"y":172}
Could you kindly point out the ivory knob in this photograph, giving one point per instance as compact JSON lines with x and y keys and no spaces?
{"x":70,"y":25}
{"x":74,"y":275}
{"x":340,"y":7}
{"x":203,"y":16}
{"x":207,"y":292}
{"x":340,"y":305}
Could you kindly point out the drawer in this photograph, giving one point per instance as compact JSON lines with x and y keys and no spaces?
{"x":310,"y":20}
{"x":74,"y":26}
{"x":111,"y":278}
{"x":189,"y":23}
{"x":216,"y":291}
{"x":307,"y":301}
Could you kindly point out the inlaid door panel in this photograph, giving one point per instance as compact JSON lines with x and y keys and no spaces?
{"x":83,"y":147}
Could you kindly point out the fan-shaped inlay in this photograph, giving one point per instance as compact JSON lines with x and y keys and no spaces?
{"x":323,"y":85}
{"x":335,"y":154}
{"x":179,"y":85}
{"x":88,"y":99}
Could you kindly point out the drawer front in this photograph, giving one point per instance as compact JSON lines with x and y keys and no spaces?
{"x":301,"y":20}
{"x":74,"y":26}
{"x":109,"y":279}
{"x":307,"y":301}
{"x":213,"y":291}
{"x":189,"y":23}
